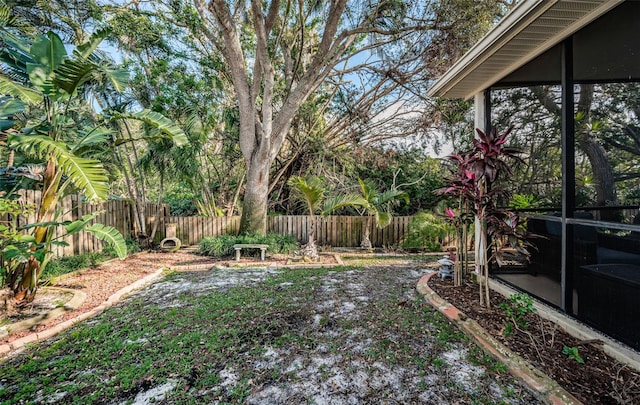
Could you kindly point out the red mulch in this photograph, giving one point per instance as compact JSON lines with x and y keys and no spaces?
{"x":600,"y":380}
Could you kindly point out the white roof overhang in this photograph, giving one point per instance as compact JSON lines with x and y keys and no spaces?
{"x":529,"y":29}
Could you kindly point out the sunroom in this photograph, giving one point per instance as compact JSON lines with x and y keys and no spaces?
{"x":566,"y":75}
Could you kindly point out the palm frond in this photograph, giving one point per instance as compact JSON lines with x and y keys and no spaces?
{"x":8,"y":20}
{"x":310,"y":190}
{"x":159,"y":121}
{"x":83,"y":51}
{"x":96,"y":136}
{"x":79,"y":225}
{"x":368,"y":190}
{"x":382,"y":218}
{"x":345,"y":200}
{"x":391,"y":196}
{"x":72,"y":73}
{"x":88,"y":175}
{"x":119,"y":78}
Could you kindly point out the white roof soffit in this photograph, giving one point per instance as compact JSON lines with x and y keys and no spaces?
{"x":528,"y":30}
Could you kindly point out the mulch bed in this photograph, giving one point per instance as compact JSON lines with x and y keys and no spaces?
{"x":600,"y":380}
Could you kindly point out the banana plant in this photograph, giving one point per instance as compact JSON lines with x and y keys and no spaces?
{"x":46,"y":78}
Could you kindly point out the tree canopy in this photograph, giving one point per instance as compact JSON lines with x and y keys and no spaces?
{"x":266,"y":91}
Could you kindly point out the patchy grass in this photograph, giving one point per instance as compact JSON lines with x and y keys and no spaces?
{"x":347,"y":335}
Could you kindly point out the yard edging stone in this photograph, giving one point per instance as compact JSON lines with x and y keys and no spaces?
{"x":545,"y":388}
{"x":77,"y":299}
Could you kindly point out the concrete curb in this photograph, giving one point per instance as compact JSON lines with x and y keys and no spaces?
{"x":109,"y":302}
{"x":545,"y":389}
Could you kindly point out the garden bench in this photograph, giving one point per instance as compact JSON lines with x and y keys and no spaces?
{"x":238,"y":247}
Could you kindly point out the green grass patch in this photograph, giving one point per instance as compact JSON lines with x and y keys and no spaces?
{"x":201,"y":339}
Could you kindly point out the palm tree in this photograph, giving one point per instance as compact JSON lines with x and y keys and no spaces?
{"x":369,"y":201}
{"x":311,"y":191}
{"x":44,"y":76}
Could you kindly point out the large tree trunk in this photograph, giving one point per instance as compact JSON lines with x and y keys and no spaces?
{"x":602,"y":170}
{"x":262,"y":130}
{"x":587,"y":143}
{"x":605,"y":185}
{"x":254,"y":206}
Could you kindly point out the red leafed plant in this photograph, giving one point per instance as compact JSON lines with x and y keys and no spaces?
{"x":472,"y":182}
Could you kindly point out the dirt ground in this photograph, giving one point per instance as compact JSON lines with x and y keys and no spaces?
{"x":599,"y":380}
{"x":343,"y":319}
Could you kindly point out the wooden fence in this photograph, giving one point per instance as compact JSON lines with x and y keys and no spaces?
{"x":335,"y":231}
{"x":115,"y":213}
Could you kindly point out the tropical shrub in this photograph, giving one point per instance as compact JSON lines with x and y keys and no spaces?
{"x":222,"y":246}
{"x":426,"y":231}
{"x":371,"y":203}
{"x":473,"y":183}
{"x":132,"y":247}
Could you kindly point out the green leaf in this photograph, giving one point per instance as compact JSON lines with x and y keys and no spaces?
{"x":44,"y":224}
{"x":7,"y":19}
{"x":88,"y":175}
{"x":119,"y":78}
{"x":6,"y":124}
{"x":71,"y":74}
{"x":159,"y":121}
{"x":26,"y":94}
{"x":26,"y":239}
{"x":95,"y":136}
{"x":10,"y":106}
{"x":48,"y":51}
{"x":110,"y":234}
{"x":16,"y":253}
{"x":391,"y":195}
{"x":382,"y":219}
{"x":78,"y":225}
{"x":311,"y":190}
{"x":342,"y":201}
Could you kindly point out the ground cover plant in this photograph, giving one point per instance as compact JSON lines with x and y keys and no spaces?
{"x":67,"y":264}
{"x":580,"y":367}
{"x":355,"y":334}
